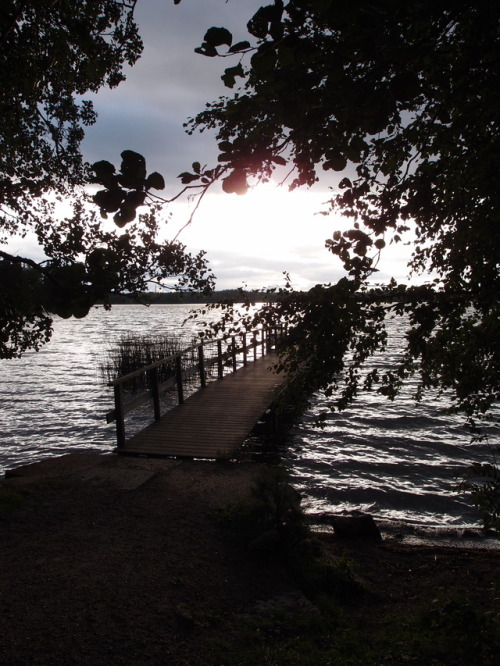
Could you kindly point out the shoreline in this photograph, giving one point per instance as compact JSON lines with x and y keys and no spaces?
{"x":109,"y":559}
{"x":393,"y":531}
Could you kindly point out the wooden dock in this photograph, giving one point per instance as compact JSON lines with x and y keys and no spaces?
{"x":214,"y":421}
{"x":231,"y":382}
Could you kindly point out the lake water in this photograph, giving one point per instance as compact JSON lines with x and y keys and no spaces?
{"x":397,"y":460}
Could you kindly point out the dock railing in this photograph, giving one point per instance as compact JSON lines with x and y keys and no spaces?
{"x":186,"y":372}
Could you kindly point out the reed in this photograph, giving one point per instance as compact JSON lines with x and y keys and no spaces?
{"x":132,"y":352}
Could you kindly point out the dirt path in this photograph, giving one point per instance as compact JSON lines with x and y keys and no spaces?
{"x":112,"y":560}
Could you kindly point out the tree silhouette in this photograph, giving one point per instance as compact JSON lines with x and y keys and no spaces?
{"x":397,"y":104}
{"x":51,"y":55}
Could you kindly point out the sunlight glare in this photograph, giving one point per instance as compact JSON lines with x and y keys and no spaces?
{"x":267,"y":224}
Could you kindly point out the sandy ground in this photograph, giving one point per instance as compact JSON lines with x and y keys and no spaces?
{"x":115,"y":560}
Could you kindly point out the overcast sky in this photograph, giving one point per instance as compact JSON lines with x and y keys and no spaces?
{"x":250,"y":239}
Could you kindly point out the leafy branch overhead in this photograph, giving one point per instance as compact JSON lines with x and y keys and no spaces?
{"x":395,"y":107}
{"x":202,"y":174}
{"x":126,"y":190}
{"x":53,"y":54}
{"x":216,"y":37}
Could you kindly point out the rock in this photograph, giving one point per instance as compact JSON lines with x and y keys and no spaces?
{"x":361,"y":526}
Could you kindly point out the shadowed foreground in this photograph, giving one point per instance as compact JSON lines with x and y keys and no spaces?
{"x":115,"y":560}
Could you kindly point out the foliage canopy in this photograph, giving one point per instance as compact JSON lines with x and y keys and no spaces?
{"x":51,"y":55}
{"x":398,"y":104}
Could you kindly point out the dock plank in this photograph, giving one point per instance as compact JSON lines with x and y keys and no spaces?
{"x":214,"y":421}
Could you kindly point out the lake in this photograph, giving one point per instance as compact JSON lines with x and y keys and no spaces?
{"x":396,"y":460}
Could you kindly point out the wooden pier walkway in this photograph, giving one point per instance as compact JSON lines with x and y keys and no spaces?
{"x":215,"y":421}
{"x":235,"y":386}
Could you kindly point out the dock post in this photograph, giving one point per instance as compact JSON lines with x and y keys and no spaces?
{"x":178,"y":376}
{"x":233,"y":351}
{"x":244,"y":343}
{"x":220,"y":367}
{"x":156,"y":393}
{"x":119,"y":417}
{"x":201,"y":362}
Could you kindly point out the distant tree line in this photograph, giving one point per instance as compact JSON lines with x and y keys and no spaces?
{"x":167,"y":298}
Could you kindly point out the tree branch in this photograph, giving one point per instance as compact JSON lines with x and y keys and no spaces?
{"x":15,"y":259}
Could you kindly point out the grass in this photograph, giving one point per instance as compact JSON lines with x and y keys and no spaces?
{"x":274,"y":505}
{"x":445,"y":632}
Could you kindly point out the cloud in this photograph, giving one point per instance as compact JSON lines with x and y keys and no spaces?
{"x":233,"y":269}
{"x":167,"y":85}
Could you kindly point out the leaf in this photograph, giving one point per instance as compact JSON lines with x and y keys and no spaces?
{"x":109,"y":200}
{"x":80,"y":308}
{"x":187,"y":177}
{"x":345,"y":182}
{"x":104,"y":174}
{"x":355,"y":149}
{"x":155,"y":181}
{"x":277,"y":159}
{"x":258,"y":25}
{"x":225,"y":146}
{"x":240,"y":46}
{"x":230,"y":74}
{"x":133,"y":169}
{"x":71,"y":275}
{"x":63,"y":310}
{"x":335,"y":161}
{"x":125,"y":215}
{"x":196,"y":166}
{"x":264,"y":61}
{"x":235,"y":183}
{"x":96,"y":259}
{"x":206,"y":50}
{"x":135,"y":198}
{"x":103,"y":169}
{"x":218,"y":36}
{"x":131,"y":159}
{"x":276,"y":30}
